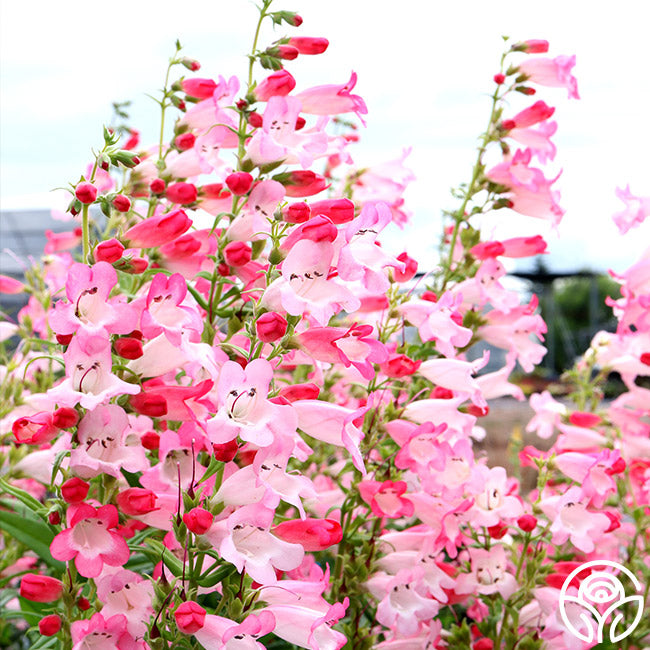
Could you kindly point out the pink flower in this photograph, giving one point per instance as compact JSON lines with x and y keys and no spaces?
{"x":279,"y":83}
{"x":385,"y":499}
{"x":309,"y":44}
{"x":40,"y":588}
{"x":492,"y":502}
{"x":85,"y":192}
{"x":489,"y":574}
{"x":155,"y":231}
{"x":552,"y":72}
{"x":99,"y":633}
{"x":190,"y":617}
{"x":637,"y":209}
{"x":49,"y":625}
{"x":353,"y":346}
{"x":109,"y":251}
{"x":89,"y":540}
{"x":10,"y":285}
{"x":198,"y":87}
{"x":332,"y":99}
{"x":61,"y":241}
{"x":271,"y":327}
{"x":35,"y":429}
{"x":311,"y":534}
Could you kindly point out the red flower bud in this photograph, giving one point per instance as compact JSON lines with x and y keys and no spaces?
{"x":34,"y":429}
{"x":183,"y":193}
{"x":150,"y":440}
{"x":109,"y":251}
{"x":65,"y":417}
{"x":129,"y":348}
{"x":255,"y":120}
{"x":300,"y":122}
{"x":239,"y":183}
{"x":645,"y":358}
{"x":198,"y":520}
{"x":582,"y":419}
{"x":49,"y":625}
{"x":498,"y":530}
{"x":400,"y":366}
{"x":185,"y":141}
{"x":409,"y":272}
{"x":488,"y":249}
{"x":40,"y":589}
{"x":225,"y":451}
{"x":527,"y":523}
{"x":223,"y":269}
{"x":85,"y":192}
{"x":442,"y":393}
{"x":133,"y":141}
{"x":296,"y":392}
{"x":508,"y":125}
{"x":287,"y":52}
{"x":191,"y":64}
{"x":271,"y":327}
{"x":430,"y":296}
{"x":309,"y":45}
{"x":478,"y":411}
{"x":83,"y":604}
{"x":64,"y":339}
{"x":121,"y":203}
{"x":297,"y":20}
{"x":157,"y":186}
{"x":151,"y":404}
{"x":54,"y":518}
{"x":199,"y":88}
{"x":499,"y":78}
{"x":74,"y":490}
{"x":237,"y":253}
{"x":312,"y":534}
{"x":297,"y":212}
{"x":190,"y":617}
{"x":338,"y":210}
{"x":536,"y":46}
{"x":136,"y":501}
{"x":483,"y":644}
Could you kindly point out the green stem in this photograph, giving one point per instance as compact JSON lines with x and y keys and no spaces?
{"x":85,"y":234}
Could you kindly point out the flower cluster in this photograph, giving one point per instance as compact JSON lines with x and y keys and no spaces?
{"x":238,"y":421}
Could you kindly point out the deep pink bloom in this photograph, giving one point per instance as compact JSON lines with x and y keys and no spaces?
{"x":198,"y":520}
{"x":155,"y":231}
{"x":49,"y":625}
{"x":136,"y":501}
{"x":271,"y":327}
{"x":237,"y":253}
{"x":198,"y":87}
{"x":108,"y":251}
{"x":239,"y":183}
{"x":311,"y":534}
{"x":74,"y":490}
{"x":35,"y":429}
{"x":304,"y":183}
{"x":279,"y":83}
{"x":183,"y":193}
{"x":10,"y":285}
{"x":190,"y":617}
{"x":385,"y":499}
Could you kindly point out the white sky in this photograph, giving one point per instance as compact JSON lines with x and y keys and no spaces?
{"x":425,"y":71}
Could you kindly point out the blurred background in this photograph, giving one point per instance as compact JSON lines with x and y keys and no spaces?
{"x":425,"y":71}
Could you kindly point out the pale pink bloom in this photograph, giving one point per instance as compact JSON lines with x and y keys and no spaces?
{"x":572,"y":520}
{"x":456,"y":375}
{"x":485,"y":288}
{"x":187,"y":255}
{"x":440,"y":321}
{"x":537,"y":140}
{"x":552,"y":72}
{"x":89,"y":379}
{"x":251,"y":547}
{"x":244,"y":408}
{"x":89,"y":540}
{"x":333,"y":424}
{"x":595,"y":473}
{"x":359,"y":257}
{"x":582,"y":439}
{"x":253,"y":220}
{"x":167,"y":310}
{"x":351,"y":347}
{"x":637,"y":209}
{"x":61,"y":241}
{"x":10,"y":285}
{"x":418,"y":445}
{"x":496,"y":384}
{"x":102,"y":633}
{"x":489,"y":573}
{"x":403,"y":605}
{"x":332,"y":99}
{"x":304,"y":285}
{"x":128,"y":593}
{"x":385,"y":182}
{"x":492,"y":503}
{"x":102,"y":447}
{"x":524,"y":246}
{"x":441,"y":411}
{"x":548,"y":414}
{"x":87,"y":289}
{"x":220,"y":633}
{"x":278,"y":139}
{"x":514,"y":331}
{"x":209,"y":112}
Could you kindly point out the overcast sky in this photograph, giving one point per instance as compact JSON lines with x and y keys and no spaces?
{"x":425,"y":70}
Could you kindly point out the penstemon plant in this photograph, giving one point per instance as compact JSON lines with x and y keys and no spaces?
{"x":233,"y":420}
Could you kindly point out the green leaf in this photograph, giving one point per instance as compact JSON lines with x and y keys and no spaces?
{"x":33,"y":533}
{"x":218,"y":576}
{"x":155,"y":551}
{"x":24,"y":497}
